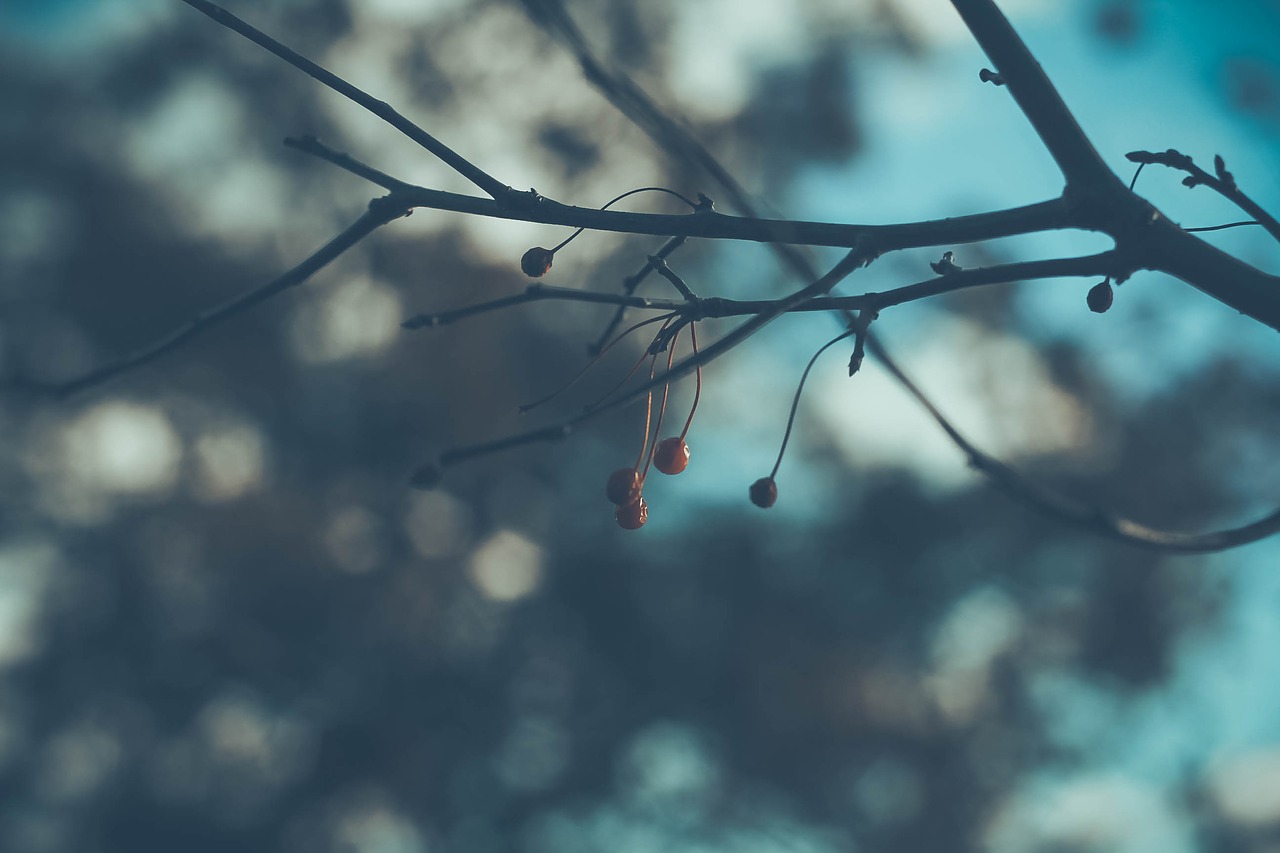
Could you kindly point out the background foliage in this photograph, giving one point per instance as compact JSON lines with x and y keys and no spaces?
{"x":225,"y":623}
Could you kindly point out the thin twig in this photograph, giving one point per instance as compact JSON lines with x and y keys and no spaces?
{"x":1036,"y":96}
{"x":670,"y":135}
{"x":491,"y":185}
{"x":693,"y":307}
{"x":1223,"y":183}
{"x":1222,"y":227}
{"x":1065,"y":509}
{"x":316,"y":148}
{"x":538,"y":293}
{"x":380,"y":212}
{"x":629,"y":285}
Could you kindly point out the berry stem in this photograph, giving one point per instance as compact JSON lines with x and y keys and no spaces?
{"x":697,"y":382}
{"x":662,"y":409}
{"x":795,"y":402}
{"x":632,"y":372}
{"x":648,"y":415}
{"x":617,"y":199}
{"x":583,"y":372}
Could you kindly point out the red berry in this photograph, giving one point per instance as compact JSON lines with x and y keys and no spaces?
{"x":1100,"y":297}
{"x":632,"y":516}
{"x":672,"y":455}
{"x":623,"y":487}
{"x":536,"y":262}
{"x":764,"y":492}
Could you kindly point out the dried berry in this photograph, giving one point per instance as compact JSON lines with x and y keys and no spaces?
{"x":764,"y":492}
{"x":536,"y":262}
{"x":671,"y":455}
{"x":1100,"y":297}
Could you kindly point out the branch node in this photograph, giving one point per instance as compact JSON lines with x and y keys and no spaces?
{"x":986,"y":75}
{"x":389,"y":207}
{"x":946,"y":265}
{"x":862,"y":323}
{"x":513,"y":199}
{"x":1220,"y":167}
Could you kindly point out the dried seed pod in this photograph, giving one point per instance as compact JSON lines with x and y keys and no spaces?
{"x":623,"y":487}
{"x":536,"y":262}
{"x":632,"y":516}
{"x":671,"y":455}
{"x":1100,"y":297}
{"x":764,"y":492}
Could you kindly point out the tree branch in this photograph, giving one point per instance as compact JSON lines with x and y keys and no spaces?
{"x":491,"y":185}
{"x":1223,"y":183}
{"x":1093,"y":199}
{"x":1036,"y":96}
{"x":1074,"y":512}
{"x":695,"y":308}
{"x":380,"y":212}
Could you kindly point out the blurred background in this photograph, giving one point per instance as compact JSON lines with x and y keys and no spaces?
{"x":226,"y":622}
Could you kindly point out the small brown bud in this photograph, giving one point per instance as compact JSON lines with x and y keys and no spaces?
{"x":1100,"y":297}
{"x":536,"y":262}
{"x":764,"y":492}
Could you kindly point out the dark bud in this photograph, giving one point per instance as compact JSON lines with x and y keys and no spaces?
{"x":947,"y":264}
{"x":632,"y":516}
{"x":860,"y":344}
{"x":764,"y":492}
{"x":623,"y":487}
{"x":986,"y":75}
{"x":536,"y":262}
{"x":1220,"y":166}
{"x":1100,"y":297}
{"x":855,"y":362}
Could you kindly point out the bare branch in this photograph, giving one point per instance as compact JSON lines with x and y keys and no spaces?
{"x":761,"y":312}
{"x":1093,"y":199}
{"x":380,"y":212}
{"x":1036,"y":96}
{"x":1223,"y":183}
{"x":694,"y":308}
{"x":670,"y":135}
{"x":1169,"y":248}
{"x":316,"y":148}
{"x":539,"y":293}
{"x":1041,"y":216}
{"x":491,"y":185}
{"x":1065,"y":509}
{"x":629,"y":285}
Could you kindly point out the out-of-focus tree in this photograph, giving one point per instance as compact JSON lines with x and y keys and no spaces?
{"x":227,"y":624}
